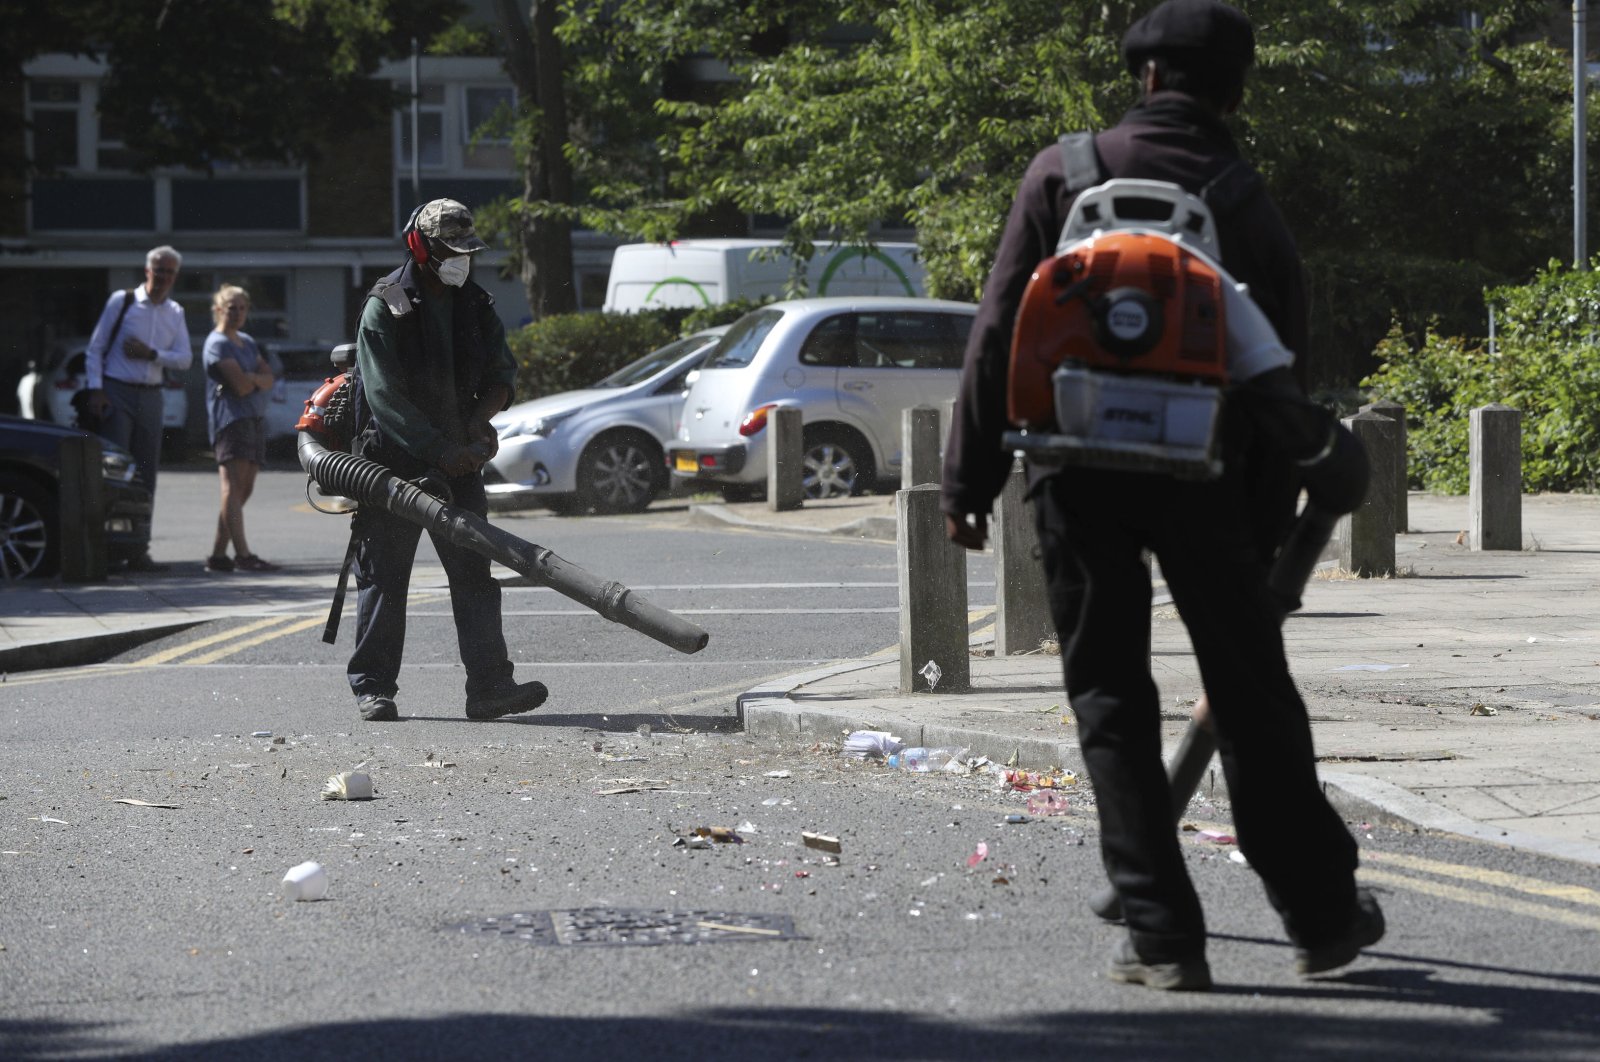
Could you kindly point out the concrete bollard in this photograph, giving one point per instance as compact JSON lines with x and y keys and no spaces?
{"x":1021,"y":607}
{"x":82,"y":512}
{"x":1495,"y":460}
{"x":786,"y":453}
{"x":1366,"y":536}
{"x":933,"y":595}
{"x":1387,"y":407}
{"x":919,"y":446}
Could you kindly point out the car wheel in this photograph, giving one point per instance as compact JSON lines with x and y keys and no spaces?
{"x":837,"y":464}
{"x":620,"y":473}
{"x":28,"y":530}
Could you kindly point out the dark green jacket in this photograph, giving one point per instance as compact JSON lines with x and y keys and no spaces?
{"x":423,"y":364}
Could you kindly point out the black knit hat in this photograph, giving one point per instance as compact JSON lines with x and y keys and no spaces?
{"x":1202,"y":36}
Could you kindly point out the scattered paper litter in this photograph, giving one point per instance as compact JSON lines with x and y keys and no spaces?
{"x":778,"y":774}
{"x":932,"y":672}
{"x":979,"y":854}
{"x":864,"y":743}
{"x":348,"y":785}
{"x":136,"y":802}
{"x":1237,"y":856}
{"x":1483,"y":709}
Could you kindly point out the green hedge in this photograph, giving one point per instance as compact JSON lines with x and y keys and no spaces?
{"x":1544,"y":364}
{"x":565,"y":352}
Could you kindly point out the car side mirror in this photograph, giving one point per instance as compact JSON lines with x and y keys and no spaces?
{"x":688,"y":381}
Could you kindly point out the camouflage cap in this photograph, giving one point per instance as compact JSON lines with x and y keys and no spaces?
{"x":450,"y":223}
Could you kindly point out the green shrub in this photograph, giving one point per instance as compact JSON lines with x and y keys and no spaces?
{"x":572,"y":350}
{"x":1543,"y":365}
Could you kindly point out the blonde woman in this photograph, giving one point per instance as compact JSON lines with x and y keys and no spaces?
{"x":243,"y":377}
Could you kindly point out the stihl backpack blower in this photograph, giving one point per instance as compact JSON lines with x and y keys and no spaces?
{"x":1128,"y":335}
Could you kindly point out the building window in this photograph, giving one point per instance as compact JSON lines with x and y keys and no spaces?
{"x":485,"y":106}
{"x":269,"y":300}
{"x":53,"y":114}
{"x":430,"y":130}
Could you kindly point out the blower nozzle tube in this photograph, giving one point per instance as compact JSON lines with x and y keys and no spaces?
{"x":370,"y":483}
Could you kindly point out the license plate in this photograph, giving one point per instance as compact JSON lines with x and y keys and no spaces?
{"x":687,"y":463}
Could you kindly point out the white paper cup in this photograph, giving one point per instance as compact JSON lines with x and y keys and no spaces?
{"x":308,"y":881}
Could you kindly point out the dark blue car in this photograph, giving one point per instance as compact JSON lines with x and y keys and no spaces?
{"x":30,"y":500}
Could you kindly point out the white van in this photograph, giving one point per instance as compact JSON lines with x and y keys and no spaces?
{"x":648,"y":276}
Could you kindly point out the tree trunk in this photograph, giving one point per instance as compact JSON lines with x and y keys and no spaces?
{"x":537,"y":68}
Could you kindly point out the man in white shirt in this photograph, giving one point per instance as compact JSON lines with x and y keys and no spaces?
{"x":141,"y":333}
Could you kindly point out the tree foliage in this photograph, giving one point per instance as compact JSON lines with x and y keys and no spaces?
{"x":1542,"y":364}
{"x":1418,"y":160}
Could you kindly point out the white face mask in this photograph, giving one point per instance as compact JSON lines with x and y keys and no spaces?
{"x":453,"y":271}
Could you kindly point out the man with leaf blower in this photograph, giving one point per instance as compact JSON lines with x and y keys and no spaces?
{"x":1159,"y":410}
{"x":432,"y":359}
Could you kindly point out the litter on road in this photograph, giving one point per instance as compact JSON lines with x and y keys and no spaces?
{"x":821,"y":842}
{"x":136,"y":802}
{"x":348,"y":785}
{"x":305,"y":882}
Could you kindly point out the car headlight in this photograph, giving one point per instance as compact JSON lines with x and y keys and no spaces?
{"x":116,"y":466}
{"x":543,"y":426}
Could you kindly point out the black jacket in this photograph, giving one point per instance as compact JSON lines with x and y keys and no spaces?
{"x":1168,"y":137}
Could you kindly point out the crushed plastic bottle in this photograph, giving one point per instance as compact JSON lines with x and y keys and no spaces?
{"x":924,"y":760}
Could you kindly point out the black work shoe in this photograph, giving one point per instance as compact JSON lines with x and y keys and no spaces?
{"x":1186,"y":975}
{"x":1365,"y":929}
{"x":507,"y":698}
{"x":376,"y":708}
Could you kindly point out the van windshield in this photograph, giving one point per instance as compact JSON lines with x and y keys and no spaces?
{"x":739,"y":344}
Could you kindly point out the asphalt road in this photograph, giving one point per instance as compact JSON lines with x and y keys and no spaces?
{"x":137,"y":931}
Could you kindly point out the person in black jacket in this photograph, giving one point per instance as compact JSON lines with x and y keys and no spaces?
{"x":434,"y":367}
{"x":1213,"y":539}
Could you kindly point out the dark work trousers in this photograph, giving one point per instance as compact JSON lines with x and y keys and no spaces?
{"x":385,"y":550}
{"x":1092,"y":528}
{"x":134,"y":424}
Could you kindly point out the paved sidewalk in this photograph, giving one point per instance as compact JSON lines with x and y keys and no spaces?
{"x":1462,"y":696}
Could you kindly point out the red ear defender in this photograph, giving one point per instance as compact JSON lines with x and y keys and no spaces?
{"x":414,"y":240}
{"x":418,"y":246}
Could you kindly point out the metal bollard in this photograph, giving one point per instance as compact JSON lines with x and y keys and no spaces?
{"x":1366,"y":536}
{"x":1387,"y":407}
{"x":919,"y":446}
{"x":82,"y":512}
{"x":786,"y":453}
{"x":933,"y":595}
{"x":1021,"y":607}
{"x":1495,"y":459}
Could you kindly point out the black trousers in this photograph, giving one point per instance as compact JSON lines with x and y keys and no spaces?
{"x":1092,"y":528}
{"x":385,"y":549}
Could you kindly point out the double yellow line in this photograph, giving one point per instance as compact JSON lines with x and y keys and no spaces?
{"x":228,"y":642}
{"x":1494,"y":889}
{"x":231,"y":641}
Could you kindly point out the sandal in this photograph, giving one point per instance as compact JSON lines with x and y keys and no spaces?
{"x":252,"y":563}
{"x":219,"y":562}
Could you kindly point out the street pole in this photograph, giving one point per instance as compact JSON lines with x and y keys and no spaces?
{"x":416,"y":122}
{"x":1580,"y":125}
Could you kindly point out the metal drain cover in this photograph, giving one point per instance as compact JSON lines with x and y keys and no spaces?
{"x":636,"y":926}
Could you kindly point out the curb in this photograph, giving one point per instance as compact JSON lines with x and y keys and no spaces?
{"x":90,"y":649}
{"x":716,"y":514}
{"x":770,"y":710}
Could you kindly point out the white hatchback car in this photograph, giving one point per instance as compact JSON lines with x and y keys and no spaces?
{"x":45,"y":393}
{"x":851,"y":366}
{"x":600,"y":448}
